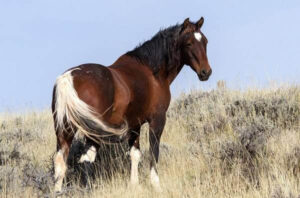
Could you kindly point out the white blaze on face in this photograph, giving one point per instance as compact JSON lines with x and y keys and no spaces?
{"x":198,"y":36}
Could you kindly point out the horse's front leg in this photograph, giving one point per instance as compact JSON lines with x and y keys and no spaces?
{"x":156,"y":126}
{"x":135,"y":155}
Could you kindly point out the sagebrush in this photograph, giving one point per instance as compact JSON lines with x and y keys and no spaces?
{"x":218,"y":143}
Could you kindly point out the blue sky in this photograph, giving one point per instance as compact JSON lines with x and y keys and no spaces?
{"x":250,"y":42}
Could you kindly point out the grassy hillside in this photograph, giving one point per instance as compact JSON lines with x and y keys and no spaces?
{"x":221,"y":143}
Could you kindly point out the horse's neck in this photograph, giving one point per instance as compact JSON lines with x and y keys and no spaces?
{"x":163,"y":74}
{"x":171,"y":75}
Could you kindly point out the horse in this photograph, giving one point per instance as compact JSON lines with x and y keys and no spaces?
{"x":110,"y":104}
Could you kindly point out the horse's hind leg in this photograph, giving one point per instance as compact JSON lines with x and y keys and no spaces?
{"x":90,"y":154}
{"x":87,"y":159}
{"x":64,"y":141}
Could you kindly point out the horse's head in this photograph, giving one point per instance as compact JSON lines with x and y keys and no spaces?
{"x":193,"y":47}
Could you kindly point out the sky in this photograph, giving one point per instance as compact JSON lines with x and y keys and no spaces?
{"x":251,"y":43}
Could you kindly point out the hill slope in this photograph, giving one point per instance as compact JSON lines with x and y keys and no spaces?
{"x":221,"y":143}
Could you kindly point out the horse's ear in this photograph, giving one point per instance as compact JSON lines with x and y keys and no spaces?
{"x":200,"y":23}
{"x":186,"y":23}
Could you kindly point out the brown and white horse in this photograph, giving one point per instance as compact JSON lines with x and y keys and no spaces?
{"x":109,"y":104}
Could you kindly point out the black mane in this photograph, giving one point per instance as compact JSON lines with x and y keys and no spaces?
{"x":160,"y":50}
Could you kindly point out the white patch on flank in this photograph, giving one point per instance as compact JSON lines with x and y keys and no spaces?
{"x":135,"y":155}
{"x":198,"y":36}
{"x":69,"y":105}
{"x":59,"y":170}
{"x":154,"y":179}
{"x":90,"y":155}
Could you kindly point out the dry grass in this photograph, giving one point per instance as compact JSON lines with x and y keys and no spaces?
{"x":221,"y":143}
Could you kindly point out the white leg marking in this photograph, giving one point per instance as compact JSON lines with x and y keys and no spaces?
{"x":198,"y":36}
{"x":135,"y":155}
{"x":60,"y":170}
{"x":154,"y":179}
{"x":90,"y":155}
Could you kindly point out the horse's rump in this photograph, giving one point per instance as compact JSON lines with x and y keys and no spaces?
{"x":76,"y":102}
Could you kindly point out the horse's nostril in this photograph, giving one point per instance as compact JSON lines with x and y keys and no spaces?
{"x":203,"y":72}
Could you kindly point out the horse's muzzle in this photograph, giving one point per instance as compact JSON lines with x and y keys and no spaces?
{"x":204,"y":75}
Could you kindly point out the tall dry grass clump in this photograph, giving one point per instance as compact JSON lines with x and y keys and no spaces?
{"x":218,"y":143}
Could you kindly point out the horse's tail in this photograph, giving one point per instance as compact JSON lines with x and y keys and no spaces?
{"x":69,"y":108}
